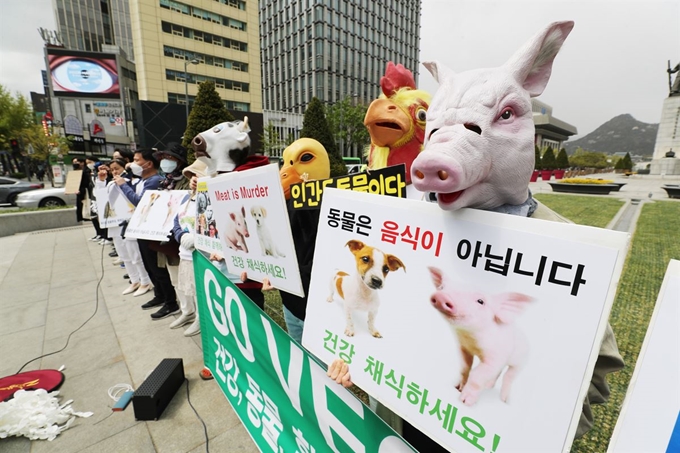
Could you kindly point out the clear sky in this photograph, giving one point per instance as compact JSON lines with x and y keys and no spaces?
{"x":613,"y":62}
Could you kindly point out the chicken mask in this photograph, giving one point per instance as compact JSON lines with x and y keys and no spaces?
{"x":304,"y":160}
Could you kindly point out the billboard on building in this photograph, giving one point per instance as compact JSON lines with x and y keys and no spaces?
{"x":83,"y":74}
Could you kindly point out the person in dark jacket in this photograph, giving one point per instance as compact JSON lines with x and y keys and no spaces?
{"x":84,"y":189}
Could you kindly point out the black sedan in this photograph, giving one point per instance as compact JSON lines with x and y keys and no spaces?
{"x":10,"y":188}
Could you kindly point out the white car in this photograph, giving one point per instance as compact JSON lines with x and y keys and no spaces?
{"x":45,"y":198}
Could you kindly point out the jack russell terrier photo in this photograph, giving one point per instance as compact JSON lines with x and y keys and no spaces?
{"x":267,"y":244}
{"x":359,"y":291}
{"x":147,"y":209}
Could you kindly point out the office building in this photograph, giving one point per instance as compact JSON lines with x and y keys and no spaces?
{"x":179,"y":44}
{"x":90,"y":24}
{"x":333,"y":49}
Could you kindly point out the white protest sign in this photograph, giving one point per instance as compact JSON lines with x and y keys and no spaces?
{"x":112,"y":206}
{"x":252,"y":224}
{"x":410,"y":294}
{"x":650,"y":416}
{"x":155,"y":214}
{"x":206,"y":238}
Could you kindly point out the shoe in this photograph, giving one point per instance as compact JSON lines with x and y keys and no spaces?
{"x":96,"y":238}
{"x":165,"y":311}
{"x":182,"y":320}
{"x":126,"y":276}
{"x":193,"y":329}
{"x":113,"y":254}
{"x":122,"y":266}
{"x":105,"y":242}
{"x":205,"y":374}
{"x":153,"y":303}
{"x":143,"y":289}
{"x":131,"y":289}
{"x":118,"y":262}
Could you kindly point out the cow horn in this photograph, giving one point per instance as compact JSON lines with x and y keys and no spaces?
{"x":244,"y":126}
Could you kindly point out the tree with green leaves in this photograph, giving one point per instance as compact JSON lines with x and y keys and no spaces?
{"x":627,"y":162}
{"x":16,"y":116}
{"x":315,"y":125}
{"x":588,"y":159}
{"x":208,"y":111}
{"x":562,"y":160}
{"x":272,"y":142}
{"x":537,"y":159}
{"x":548,"y":160}
{"x":346,"y":122}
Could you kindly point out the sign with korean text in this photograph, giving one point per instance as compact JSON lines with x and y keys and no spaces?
{"x":650,"y":416}
{"x":154,"y":215}
{"x":282,"y":396}
{"x":112,"y":206}
{"x":252,"y":224}
{"x":476,"y":327}
{"x":386,"y":181}
{"x":206,"y":238}
{"x":73,"y":178}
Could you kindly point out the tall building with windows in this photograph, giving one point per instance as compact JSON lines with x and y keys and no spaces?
{"x":179,"y":44}
{"x":333,"y":49}
{"x":90,"y":24}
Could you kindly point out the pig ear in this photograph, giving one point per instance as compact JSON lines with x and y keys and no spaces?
{"x":232,"y":215}
{"x":508,"y":306}
{"x":438,"y":70}
{"x":532,"y":64}
{"x":437,"y":277}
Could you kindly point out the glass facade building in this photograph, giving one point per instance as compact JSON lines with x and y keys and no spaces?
{"x":333,"y":49}
{"x":90,"y":24}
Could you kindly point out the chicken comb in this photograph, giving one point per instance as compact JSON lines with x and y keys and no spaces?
{"x":395,"y":78}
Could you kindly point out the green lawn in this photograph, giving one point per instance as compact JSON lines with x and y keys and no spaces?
{"x":47,"y":208}
{"x":591,"y":211}
{"x":655,"y":242}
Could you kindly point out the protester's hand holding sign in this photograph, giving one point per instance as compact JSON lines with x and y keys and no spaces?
{"x":339,"y":372}
{"x":119,"y":180}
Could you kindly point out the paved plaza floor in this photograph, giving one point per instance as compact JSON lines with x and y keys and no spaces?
{"x":48,"y":284}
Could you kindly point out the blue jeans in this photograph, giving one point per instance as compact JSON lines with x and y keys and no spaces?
{"x":295,"y":325}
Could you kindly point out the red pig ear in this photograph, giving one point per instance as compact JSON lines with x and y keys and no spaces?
{"x":508,"y":306}
{"x":396,"y":77}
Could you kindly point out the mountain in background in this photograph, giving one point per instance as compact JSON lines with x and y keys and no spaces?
{"x":622,"y":133}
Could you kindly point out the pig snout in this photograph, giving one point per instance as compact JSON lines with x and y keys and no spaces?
{"x":442,"y":302}
{"x":434,"y":171}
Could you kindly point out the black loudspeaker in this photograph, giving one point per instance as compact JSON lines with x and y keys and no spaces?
{"x":154,"y":395}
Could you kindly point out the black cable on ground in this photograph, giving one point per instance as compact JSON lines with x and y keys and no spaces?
{"x":205,"y":428}
{"x":96,"y":307}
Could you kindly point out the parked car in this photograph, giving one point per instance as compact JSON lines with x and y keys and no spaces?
{"x":44,"y":198}
{"x":10,"y":188}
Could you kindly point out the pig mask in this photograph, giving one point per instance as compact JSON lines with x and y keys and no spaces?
{"x":479,"y":145}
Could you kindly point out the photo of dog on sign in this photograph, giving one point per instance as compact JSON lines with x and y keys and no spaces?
{"x":147,"y":209}
{"x":359,"y":287}
{"x":267,"y":243}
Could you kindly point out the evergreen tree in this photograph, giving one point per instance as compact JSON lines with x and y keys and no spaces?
{"x":627,"y":162}
{"x":208,"y":111}
{"x":315,"y":125}
{"x":619,"y":164}
{"x":548,"y":160}
{"x":562,"y":159}
{"x":537,"y":161}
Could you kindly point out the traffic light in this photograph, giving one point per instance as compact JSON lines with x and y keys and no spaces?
{"x":14,"y":143}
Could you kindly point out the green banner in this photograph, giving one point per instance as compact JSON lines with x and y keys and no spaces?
{"x":279,"y":391}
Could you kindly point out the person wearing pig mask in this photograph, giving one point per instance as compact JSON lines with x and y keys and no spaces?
{"x":479,"y":153}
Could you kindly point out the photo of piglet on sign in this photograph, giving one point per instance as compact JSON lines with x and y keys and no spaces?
{"x":154,"y":216}
{"x":474,"y":326}
{"x":252,"y":225}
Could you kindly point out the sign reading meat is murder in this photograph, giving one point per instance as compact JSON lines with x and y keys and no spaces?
{"x":280,"y":393}
{"x":650,"y":416}
{"x":463,"y":323}
{"x":385,"y":181}
{"x":252,"y":225}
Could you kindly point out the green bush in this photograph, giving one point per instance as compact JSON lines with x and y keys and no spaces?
{"x":315,"y":125}
{"x":17,"y":175}
{"x":548,"y":159}
{"x":562,"y":160}
{"x":537,"y":159}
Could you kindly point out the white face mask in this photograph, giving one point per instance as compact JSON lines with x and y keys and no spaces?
{"x":137,"y":169}
{"x":90,"y":166}
{"x":168,"y":166}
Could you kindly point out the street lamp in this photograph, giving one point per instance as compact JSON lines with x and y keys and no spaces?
{"x":186,"y":86}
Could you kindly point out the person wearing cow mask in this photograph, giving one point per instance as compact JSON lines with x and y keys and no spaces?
{"x":479,"y":153}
